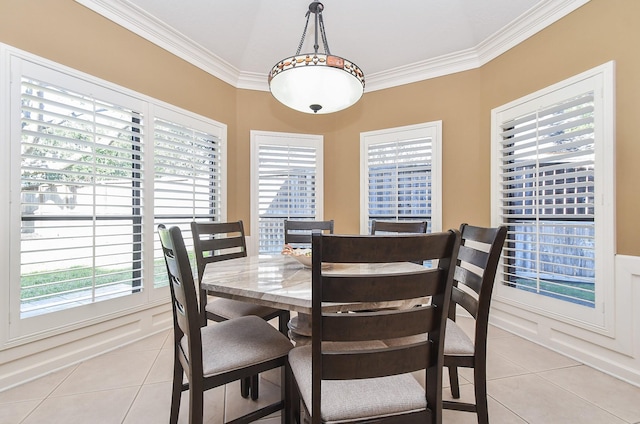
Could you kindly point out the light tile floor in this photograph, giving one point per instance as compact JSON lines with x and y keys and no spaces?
{"x":526,"y":384}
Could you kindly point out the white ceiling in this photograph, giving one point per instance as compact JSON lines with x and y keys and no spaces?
{"x":393,"y":41}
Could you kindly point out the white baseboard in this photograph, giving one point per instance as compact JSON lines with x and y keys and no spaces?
{"x":29,"y":361}
{"x":617,"y":354}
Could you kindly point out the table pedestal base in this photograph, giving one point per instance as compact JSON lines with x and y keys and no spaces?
{"x":300,"y":329}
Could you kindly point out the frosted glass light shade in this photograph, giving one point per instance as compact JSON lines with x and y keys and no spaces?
{"x":316,"y":83}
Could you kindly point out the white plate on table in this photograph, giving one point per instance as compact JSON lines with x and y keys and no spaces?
{"x":303,"y":259}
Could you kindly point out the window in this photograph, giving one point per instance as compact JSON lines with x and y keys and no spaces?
{"x":188,"y":177}
{"x":286,"y":182}
{"x":554,"y":185}
{"x":400,"y":176}
{"x":81,"y":198}
{"x":94,"y":169}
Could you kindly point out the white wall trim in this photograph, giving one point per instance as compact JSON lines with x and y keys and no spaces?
{"x":27,"y":362}
{"x":617,"y":355}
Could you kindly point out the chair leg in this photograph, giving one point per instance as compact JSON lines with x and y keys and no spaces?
{"x":196,"y":403}
{"x":254,"y":386}
{"x":292,"y":398}
{"x":453,"y":382}
{"x":480,"y":388}
{"x":245,"y":385}
{"x":176,"y":393}
{"x":285,"y":418}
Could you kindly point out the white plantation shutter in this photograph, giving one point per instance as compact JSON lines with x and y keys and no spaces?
{"x":81,"y":198}
{"x":287,"y":177}
{"x":187,"y":181}
{"x":97,"y":167}
{"x":548,"y":163}
{"x":553,"y":170}
{"x":400,"y":180}
{"x":398,"y":172}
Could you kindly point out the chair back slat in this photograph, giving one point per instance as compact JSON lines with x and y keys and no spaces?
{"x":468,"y":278}
{"x":379,"y":363}
{"x":385,"y":249}
{"x":465,"y":300}
{"x":485,"y":235}
{"x":295,"y":239}
{"x":405,"y":227}
{"x":379,"y":288}
{"x":226,"y":228}
{"x":473,"y":256}
{"x":388,"y":324}
{"x":299,"y":232}
{"x":217,"y":244}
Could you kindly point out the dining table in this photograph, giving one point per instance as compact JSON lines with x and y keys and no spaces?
{"x":282,"y":282}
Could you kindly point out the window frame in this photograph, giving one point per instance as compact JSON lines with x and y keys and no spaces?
{"x":432,"y":130}
{"x":18,"y":330}
{"x":601,"y":80}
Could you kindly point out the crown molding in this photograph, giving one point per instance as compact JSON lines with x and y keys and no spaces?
{"x":423,"y":70}
{"x":146,"y":26}
{"x":535,"y":20}
{"x":253,"y":81}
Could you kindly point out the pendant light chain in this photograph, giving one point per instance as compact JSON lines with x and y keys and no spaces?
{"x":323,"y":35}
{"x":319,"y":24}
{"x":304,"y":33}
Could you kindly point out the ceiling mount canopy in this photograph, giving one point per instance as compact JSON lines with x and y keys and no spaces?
{"x":316,"y":82}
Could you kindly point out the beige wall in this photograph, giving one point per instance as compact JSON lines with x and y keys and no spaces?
{"x":600,"y":31}
{"x":453,"y":99}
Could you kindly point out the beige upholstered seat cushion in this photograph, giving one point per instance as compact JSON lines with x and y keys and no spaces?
{"x":239,"y":343}
{"x":229,"y":308}
{"x":456,"y":341}
{"x":347,"y":400}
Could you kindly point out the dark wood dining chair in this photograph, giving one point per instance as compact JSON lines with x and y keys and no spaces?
{"x":298,"y":233}
{"x":381,"y":227}
{"x":221,"y":241}
{"x":347,"y":374}
{"x":472,"y":287}
{"x":213,"y":355}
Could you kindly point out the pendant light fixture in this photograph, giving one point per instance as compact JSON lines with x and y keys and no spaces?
{"x":316,"y":82}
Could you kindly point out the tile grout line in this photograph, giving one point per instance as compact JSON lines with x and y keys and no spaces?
{"x":576,"y":394}
{"x":133,"y":401}
{"x":41,"y":401}
{"x":508,"y":409}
